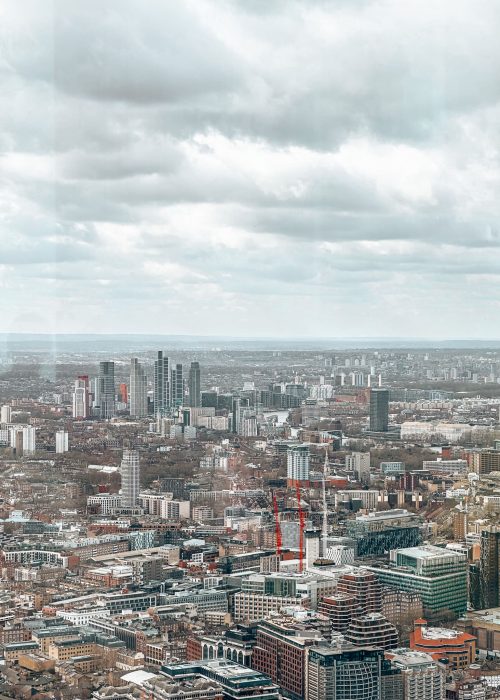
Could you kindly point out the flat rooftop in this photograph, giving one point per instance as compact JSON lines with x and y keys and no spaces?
{"x":428,"y":551}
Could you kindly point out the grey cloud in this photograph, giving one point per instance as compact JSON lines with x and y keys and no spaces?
{"x":122,"y":104}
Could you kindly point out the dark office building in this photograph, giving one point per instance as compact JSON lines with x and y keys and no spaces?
{"x":379,"y":410}
{"x":209,"y":399}
{"x":162,"y":391}
{"x":194,"y":385}
{"x":489,"y":565}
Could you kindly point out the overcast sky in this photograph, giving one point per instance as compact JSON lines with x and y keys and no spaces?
{"x":250,"y":167}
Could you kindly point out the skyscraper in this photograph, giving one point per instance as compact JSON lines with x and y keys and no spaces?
{"x":162,"y":387}
{"x":194,"y":385}
{"x":177,"y":386}
{"x":379,"y":410}
{"x":107,"y":389}
{"x":130,"y":473}
{"x":138,"y":394}
{"x":81,"y":398}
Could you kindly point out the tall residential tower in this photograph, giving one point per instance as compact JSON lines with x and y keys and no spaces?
{"x":194,"y":385}
{"x":130,"y":473}
{"x":162,"y":387}
{"x":138,"y":393}
{"x":379,"y":410}
{"x":107,"y":390}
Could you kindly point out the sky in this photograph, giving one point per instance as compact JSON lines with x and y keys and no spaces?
{"x":260,"y":168}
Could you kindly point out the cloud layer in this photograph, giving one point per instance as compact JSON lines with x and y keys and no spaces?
{"x":266,"y":168}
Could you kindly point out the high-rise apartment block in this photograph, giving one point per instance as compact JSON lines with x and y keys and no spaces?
{"x":62,"y":441}
{"x":29,"y":440}
{"x":107,"y":390}
{"x":162,"y":387}
{"x":5,"y":414}
{"x":379,"y":410}
{"x":130,"y":473}
{"x":195,"y":385}
{"x":138,"y":394}
{"x":177,"y":385}
{"x":81,"y":398}
{"x":484,"y":461}
{"x":298,"y":465}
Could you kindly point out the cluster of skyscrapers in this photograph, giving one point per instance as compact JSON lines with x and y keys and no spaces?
{"x":169,"y":389}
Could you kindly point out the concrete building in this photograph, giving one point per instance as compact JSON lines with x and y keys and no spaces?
{"x":446,"y":466}
{"x":485,"y":461}
{"x":5,"y":414}
{"x":359,"y":463}
{"x":347,"y":497}
{"x":105,"y":502}
{"x":29,"y":440}
{"x":62,"y":441}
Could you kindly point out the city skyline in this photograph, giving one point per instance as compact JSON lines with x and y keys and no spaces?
{"x":249,"y":169}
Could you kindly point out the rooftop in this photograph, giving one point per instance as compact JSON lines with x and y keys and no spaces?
{"x":427,"y":551}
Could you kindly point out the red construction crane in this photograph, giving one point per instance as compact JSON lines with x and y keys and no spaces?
{"x":279,"y":541}
{"x":302,"y":527}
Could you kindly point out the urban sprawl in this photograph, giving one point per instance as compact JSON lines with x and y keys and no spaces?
{"x":250,"y":524}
